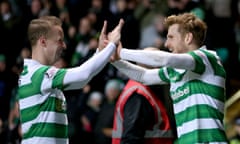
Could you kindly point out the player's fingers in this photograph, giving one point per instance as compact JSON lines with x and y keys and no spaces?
{"x":120,"y":24}
{"x":104,"y":28}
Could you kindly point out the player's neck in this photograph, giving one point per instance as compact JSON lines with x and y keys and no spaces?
{"x":37,"y":56}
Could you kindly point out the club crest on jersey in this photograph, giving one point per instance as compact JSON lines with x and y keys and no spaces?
{"x":60,"y":105}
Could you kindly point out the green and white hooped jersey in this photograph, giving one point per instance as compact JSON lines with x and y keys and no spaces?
{"x":42,"y":104}
{"x":198,"y":97}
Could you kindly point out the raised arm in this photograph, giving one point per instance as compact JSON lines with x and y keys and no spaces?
{"x":80,"y":76}
{"x":159,"y":58}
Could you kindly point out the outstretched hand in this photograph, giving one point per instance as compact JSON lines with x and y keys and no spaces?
{"x":103,"y":37}
{"x":115,"y":35}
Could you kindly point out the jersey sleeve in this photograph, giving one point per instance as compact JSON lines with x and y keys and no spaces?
{"x":199,"y":61}
{"x":58,"y":79}
{"x":213,"y":62}
{"x":163,"y":74}
{"x":138,"y":73}
{"x":54,"y":78}
{"x":159,"y":58}
{"x":78,"y":77}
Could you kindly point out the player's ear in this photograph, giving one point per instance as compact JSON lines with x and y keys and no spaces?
{"x":188,"y":38}
{"x":42,"y":41}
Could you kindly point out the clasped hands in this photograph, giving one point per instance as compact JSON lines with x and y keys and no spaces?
{"x":113,"y":36}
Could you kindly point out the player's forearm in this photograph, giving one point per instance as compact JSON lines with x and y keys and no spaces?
{"x":80,"y":76}
{"x":158,"y":58}
{"x":137,"y":73}
{"x":132,"y":71}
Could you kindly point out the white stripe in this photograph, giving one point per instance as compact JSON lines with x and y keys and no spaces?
{"x":39,"y":99}
{"x":46,"y":84}
{"x":32,"y":101}
{"x":44,"y":140}
{"x":197,"y":99}
{"x":199,"y":124}
{"x":46,"y":117}
{"x":206,"y":78}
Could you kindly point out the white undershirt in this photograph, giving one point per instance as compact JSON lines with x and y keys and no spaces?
{"x":154,"y":59}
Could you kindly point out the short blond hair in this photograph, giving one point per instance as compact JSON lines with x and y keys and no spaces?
{"x":41,"y":27}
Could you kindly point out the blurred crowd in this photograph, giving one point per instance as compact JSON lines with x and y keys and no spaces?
{"x":90,"y":110}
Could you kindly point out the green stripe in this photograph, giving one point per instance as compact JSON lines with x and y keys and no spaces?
{"x":162,"y":75}
{"x":216,"y":65}
{"x":58,"y":79}
{"x":47,"y":130}
{"x":196,"y":112}
{"x":199,"y":67}
{"x":52,"y":104}
{"x":175,"y":76}
{"x":34,"y":87}
{"x":199,"y":87}
{"x":203,"y":136}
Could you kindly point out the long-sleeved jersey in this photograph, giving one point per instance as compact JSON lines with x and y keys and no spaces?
{"x":42,"y":103}
{"x":197,"y":88}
